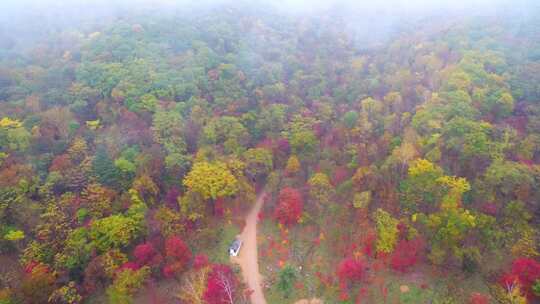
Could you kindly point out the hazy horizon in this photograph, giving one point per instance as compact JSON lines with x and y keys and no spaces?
{"x":25,"y":21}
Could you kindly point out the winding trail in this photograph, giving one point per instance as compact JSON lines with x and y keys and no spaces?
{"x":247,"y":259}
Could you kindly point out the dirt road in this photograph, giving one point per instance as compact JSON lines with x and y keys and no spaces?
{"x":247,"y":259}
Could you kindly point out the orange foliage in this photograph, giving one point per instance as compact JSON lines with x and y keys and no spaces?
{"x":61,"y":163}
{"x":12,"y":174}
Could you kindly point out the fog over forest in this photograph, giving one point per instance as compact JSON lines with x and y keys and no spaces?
{"x":39,"y":17}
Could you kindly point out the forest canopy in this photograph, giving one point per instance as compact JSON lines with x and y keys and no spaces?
{"x":383,"y":153}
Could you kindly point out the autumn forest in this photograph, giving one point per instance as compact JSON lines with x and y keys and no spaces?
{"x":350,"y":161}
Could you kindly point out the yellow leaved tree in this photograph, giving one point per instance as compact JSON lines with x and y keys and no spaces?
{"x":211,"y":180}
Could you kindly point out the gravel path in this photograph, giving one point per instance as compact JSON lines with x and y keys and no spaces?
{"x":247,"y":259}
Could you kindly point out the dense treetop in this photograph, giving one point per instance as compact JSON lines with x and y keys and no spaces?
{"x":131,"y":149}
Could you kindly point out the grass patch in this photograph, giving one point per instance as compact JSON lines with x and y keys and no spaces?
{"x":301,"y":255}
{"x":225,"y":236}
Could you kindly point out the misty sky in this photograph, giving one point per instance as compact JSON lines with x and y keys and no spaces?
{"x":31,"y":17}
{"x":21,"y":6}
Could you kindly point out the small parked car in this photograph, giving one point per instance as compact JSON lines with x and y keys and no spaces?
{"x":234,"y":249}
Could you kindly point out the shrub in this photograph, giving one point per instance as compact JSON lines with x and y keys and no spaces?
{"x":287,"y":276}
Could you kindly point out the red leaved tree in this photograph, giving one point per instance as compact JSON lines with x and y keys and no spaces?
{"x":38,"y":284}
{"x":350,"y":271}
{"x":128,"y":265}
{"x":406,"y":254}
{"x":290,"y":206}
{"x":524,"y":271}
{"x":221,"y":286}
{"x":176,"y":248}
{"x":177,"y":254}
{"x":144,"y":254}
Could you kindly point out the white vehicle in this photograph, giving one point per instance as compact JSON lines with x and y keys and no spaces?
{"x":234,"y":249}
